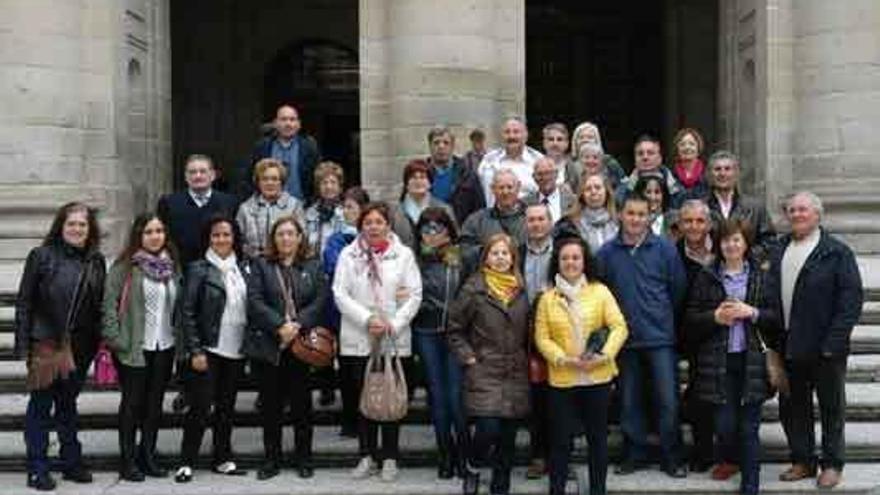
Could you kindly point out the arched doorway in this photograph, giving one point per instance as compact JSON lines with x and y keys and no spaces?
{"x":320,"y":78}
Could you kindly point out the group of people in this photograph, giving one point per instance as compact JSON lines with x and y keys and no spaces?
{"x":532,"y":287}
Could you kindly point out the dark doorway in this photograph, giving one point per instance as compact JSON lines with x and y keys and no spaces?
{"x":233,"y":62}
{"x":620,"y":64}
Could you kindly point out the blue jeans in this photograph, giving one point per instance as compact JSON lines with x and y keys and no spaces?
{"x":635,"y":366}
{"x":39,"y":422}
{"x":443,"y":376}
{"x":737,"y":424}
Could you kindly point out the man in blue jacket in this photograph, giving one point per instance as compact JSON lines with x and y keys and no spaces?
{"x":821,"y":299}
{"x":649,"y":281}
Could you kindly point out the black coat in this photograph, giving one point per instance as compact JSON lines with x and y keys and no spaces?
{"x":827,"y":300}
{"x":467,"y":193}
{"x":204,"y":300}
{"x":750,"y":210}
{"x":265,"y":305}
{"x":709,"y":340}
{"x":185,"y":220}
{"x":60,"y":296}
{"x":440,"y":284}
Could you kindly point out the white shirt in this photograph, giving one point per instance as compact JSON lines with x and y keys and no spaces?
{"x":234,"y":319}
{"x":554,"y":202}
{"x":200,"y":199}
{"x":793,"y":260}
{"x":158,"y":305}
{"x":725,"y":204}
{"x":523,"y":166}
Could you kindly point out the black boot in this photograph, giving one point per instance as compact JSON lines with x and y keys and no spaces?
{"x":445,"y":469}
{"x":500,"y":482}
{"x":128,"y":469}
{"x":303,"y":439}
{"x":148,"y":463}
{"x":470,"y":482}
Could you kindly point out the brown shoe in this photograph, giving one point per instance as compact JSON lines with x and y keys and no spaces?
{"x":829,"y":478}
{"x":724,"y":471}
{"x":797,"y":472}
{"x":537,"y":469}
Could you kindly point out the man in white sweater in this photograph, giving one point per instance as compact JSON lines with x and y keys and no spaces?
{"x":820,"y":296}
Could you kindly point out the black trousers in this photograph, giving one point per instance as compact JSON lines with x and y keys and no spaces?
{"x":218,"y":385}
{"x":352,"y":372}
{"x":571,"y":409}
{"x":494,"y":445}
{"x":827,"y":376}
{"x":286,"y":383}
{"x":701,"y":416}
{"x":539,"y":424}
{"x":143,"y":390}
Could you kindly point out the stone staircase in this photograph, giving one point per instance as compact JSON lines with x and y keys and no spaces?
{"x":334,"y":455}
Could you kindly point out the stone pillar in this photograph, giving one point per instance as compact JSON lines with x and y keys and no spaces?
{"x":423,"y":63}
{"x":65,"y":127}
{"x":837,"y":94}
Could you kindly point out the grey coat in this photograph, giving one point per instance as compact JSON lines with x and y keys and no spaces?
{"x":485,"y":223}
{"x":481,"y":327}
{"x":256,"y":216}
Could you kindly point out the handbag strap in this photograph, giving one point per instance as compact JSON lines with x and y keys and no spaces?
{"x":289,"y":306}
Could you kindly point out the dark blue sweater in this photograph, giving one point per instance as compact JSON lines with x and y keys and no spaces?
{"x":649,"y":282}
{"x":184,"y":220}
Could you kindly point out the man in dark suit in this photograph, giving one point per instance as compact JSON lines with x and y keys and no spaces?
{"x":298,"y":152}
{"x":185,"y":212}
{"x":558,"y":197}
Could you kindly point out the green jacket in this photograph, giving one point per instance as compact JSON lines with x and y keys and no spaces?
{"x":125,"y":336}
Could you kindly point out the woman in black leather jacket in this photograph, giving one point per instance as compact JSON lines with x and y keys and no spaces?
{"x":213,"y":320}
{"x":287,"y":293}
{"x":57,"y":327}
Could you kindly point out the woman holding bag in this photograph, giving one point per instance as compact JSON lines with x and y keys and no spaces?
{"x":488,"y":331}
{"x":213,"y":322}
{"x":287,"y":292}
{"x":139,"y":326}
{"x":378,"y":290}
{"x":570,"y":323}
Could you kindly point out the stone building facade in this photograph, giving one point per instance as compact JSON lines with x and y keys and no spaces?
{"x":101,"y":99}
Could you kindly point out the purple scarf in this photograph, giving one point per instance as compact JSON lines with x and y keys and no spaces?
{"x":159,"y":267}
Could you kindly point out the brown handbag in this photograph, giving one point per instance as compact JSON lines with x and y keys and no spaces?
{"x":384,"y":396}
{"x":537,"y":368}
{"x":316,"y":346}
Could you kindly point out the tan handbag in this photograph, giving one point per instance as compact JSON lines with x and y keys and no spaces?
{"x":384,"y":396}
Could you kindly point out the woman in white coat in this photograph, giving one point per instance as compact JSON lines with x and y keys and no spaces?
{"x":378,"y":290}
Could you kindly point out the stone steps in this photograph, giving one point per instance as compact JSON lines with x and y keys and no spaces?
{"x":417,"y":445}
{"x":859,"y":479}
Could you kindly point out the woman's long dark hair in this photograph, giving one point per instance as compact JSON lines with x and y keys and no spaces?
{"x":642,"y":187}
{"x":54,"y":236}
{"x":589,"y":264}
{"x":136,"y":233}
{"x":209,"y":226}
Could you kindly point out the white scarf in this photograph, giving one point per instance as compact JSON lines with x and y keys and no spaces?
{"x":574,"y":305}
{"x":233,"y":320}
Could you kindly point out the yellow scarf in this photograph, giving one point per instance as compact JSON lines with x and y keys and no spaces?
{"x":502,"y":285}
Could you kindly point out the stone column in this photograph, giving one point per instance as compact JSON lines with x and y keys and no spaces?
{"x":423,"y":63}
{"x":837,"y":94}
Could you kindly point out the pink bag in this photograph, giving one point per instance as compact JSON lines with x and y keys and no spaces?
{"x":105,"y":370}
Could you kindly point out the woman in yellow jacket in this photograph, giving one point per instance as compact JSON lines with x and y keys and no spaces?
{"x":579,"y":330}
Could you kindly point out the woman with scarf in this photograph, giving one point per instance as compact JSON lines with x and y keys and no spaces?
{"x":591,"y":160}
{"x":579,"y":330}
{"x":440,"y":265}
{"x":324,"y":217}
{"x":588,"y":132}
{"x":661,"y":218}
{"x":353,"y":199}
{"x":287,"y":293}
{"x":213,"y":319}
{"x":140,"y":327}
{"x":488,"y":330}
{"x":378,"y":290}
{"x":58,"y":305}
{"x":594,"y":217}
{"x":269,"y":203}
{"x":414,"y":199}
{"x":688,"y":167}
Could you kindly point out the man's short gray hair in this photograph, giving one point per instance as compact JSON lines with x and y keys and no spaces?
{"x":724,"y":155}
{"x":697,"y":205}
{"x":815,"y":201}
{"x":503,"y":172}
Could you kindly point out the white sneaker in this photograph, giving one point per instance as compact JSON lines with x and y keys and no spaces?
{"x":365,"y":468}
{"x":389,"y":470}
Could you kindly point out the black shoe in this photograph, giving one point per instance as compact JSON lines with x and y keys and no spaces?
{"x":626,"y":467}
{"x":677,"y":471}
{"x":150,"y":468}
{"x":470,"y":482}
{"x":131,"y":473}
{"x":328,"y":398}
{"x":184,"y":474}
{"x":41,"y":481}
{"x":305,"y":471}
{"x":500,"y":482}
{"x":699,"y":465}
{"x":268,"y":470}
{"x":179,"y":404}
{"x":78,"y":474}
